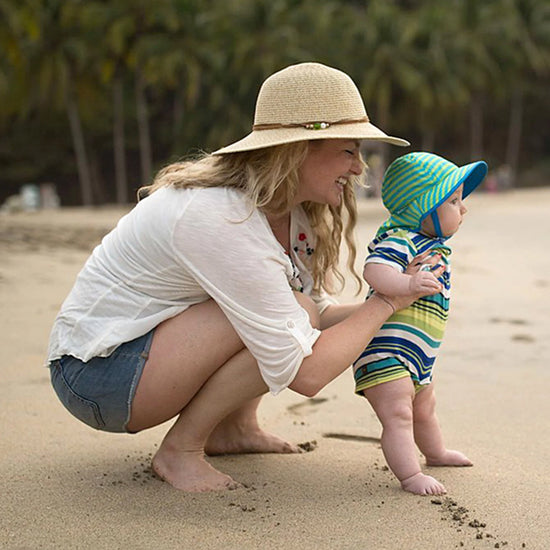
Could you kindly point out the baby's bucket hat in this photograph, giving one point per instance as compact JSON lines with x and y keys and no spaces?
{"x":308,"y":101}
{"x":417,"y":183}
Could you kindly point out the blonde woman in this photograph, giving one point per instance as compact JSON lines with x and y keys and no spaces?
{"x":216,"y":287}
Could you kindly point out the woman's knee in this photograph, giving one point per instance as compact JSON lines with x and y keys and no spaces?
{"x":203,"y":322}
{"x":185,"y":352}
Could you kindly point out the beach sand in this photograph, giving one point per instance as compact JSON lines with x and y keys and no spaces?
{"x":65,"y":485}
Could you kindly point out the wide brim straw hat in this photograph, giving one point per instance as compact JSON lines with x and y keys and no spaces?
{"x":308,"y":101}
{"x":416,"y":184}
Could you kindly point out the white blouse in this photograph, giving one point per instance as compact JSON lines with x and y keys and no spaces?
{"x":180,"y":247}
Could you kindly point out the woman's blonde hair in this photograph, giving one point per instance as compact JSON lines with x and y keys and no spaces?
{"x":269,"y":178}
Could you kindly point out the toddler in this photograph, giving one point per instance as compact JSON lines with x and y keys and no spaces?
{"x":424,"y":195}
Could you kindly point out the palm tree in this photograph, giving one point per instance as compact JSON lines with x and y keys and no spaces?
{"x":526,"y":53}
{"x":240,"y":61}
{"x":13,"y":21}
{"x":55,"y":63}
{"x":439,"y":91}
{"x":173,"y":65}
{"x":127,"y":28}
{"x":112,"y":30}
{"x":152,"y":28}
{"x":385,"y":62}
{"x":474,"y":37}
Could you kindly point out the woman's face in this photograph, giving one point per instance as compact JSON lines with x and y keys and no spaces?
{"x":328,"y":166}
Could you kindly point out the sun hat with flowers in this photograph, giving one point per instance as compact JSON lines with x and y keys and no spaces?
{"x":417,"y":183}
{"x":308,"y":101}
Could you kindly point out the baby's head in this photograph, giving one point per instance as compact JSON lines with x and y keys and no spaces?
{"x":424,"y":192}
{"x":444,"y":221}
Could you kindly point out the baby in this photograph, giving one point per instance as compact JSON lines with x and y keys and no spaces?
{"x":424,"y":195}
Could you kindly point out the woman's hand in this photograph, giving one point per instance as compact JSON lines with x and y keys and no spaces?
{"x":423,"y":260}
{"x":424,"y":271}
{"x":424,"y":282}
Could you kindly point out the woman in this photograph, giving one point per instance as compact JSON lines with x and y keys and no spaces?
{"x":214,"y":288}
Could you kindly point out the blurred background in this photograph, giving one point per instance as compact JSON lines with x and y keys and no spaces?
{"x":96,"y":96}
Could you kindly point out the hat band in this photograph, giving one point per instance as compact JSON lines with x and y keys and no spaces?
{"x":315,"y":125}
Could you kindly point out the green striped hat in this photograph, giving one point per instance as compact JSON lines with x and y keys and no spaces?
{"x":417,"y":183}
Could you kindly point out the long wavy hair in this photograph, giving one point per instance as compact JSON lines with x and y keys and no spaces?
{"x":269,"y":179}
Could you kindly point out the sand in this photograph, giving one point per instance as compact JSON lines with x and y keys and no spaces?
{"x":64,"y":485}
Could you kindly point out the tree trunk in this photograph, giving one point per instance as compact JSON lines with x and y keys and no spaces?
{"x":146,"y":156}
{"x":98,"y":183}
{"x":179,"y":109}
{"x":82,"y":163}
{"x":514,"y":132}
{"x":476,"y":127}
{"x":119,"y":141}
{"x":376,"y":153}
{"x":383,"y":118}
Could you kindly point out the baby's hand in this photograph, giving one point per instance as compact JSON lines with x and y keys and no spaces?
{"x":424,"y":282}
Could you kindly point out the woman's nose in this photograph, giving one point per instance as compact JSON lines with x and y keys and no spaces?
{"x":356,"y":166}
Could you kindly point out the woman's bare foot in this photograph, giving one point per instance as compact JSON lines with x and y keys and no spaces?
{"x":449,"y":458}
{"x":189,"y":471}
{"x":421,"y":484}
{"x":233,"y":439}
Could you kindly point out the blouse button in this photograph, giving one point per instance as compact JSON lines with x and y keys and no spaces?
{"x":290,"y":324}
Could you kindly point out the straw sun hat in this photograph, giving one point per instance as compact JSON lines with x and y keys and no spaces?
{"x":308,"y":101}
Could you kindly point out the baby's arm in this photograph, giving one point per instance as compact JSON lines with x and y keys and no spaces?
{"x":392,"y":282}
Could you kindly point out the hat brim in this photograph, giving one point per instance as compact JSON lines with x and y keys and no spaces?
{"x":260,"y":139}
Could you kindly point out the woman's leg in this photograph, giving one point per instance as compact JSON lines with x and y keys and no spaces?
{"x":427,"y":432}
{"x":198,"y":368}
{"x":239,"y":432}
{"x":180,"y":458}
{"x":186,"y":350}
{"x":393,"y":404}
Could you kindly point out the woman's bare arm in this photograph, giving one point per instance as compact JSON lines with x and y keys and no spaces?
{"x":336,"y":313}
{"x":339,"y":345}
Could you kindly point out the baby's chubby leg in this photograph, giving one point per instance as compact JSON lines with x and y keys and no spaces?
{"x":393,"y":404}
{"x":427,"y":432}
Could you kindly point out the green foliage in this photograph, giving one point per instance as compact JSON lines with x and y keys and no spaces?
{"x":437,"y":73}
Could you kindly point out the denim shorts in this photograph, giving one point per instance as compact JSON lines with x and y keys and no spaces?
{"x":100,"y":392}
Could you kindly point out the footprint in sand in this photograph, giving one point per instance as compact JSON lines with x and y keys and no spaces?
{"x":311,"y":402}
{"x":523,"y":338}
{"x":509,"y":321}
{"x":517,"y":322}
{"x":352,"y":437}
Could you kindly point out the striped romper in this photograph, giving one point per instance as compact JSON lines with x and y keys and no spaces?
{"x":407,"y":343}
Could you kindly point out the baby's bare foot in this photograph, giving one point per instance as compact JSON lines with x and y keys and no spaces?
{"x":228,"y":441}
{"x":189,"y":471}
{"x":449,"y":458}
{"x":421,"y":484}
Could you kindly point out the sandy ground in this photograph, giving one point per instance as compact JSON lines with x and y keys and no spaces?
{"x":64,"y":485}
